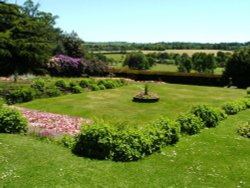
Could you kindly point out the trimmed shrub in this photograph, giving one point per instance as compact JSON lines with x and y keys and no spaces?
{"x":131,"y":145}
{"x":102,"y":87}
{"x":101,"y":141}
{"x":52,"y":91}
{"x":84,"y":83}
{"x":209,"y":115}
{"x":12,"y":121}
{"x":234,"y":107}
{"x":38,"y":85}
{"x":190,"y":124}
{"x":248,"y":91}
{"x":94,"y":87}
{"x":61,"y":84}
{"x":95,"y":141}
{"x":20,"y":95}
{"x":76,"y":89}
{"x":244,"y":130}
{"x":2,"y":101}
{"x":246,"y":101}
{"x":170,"y":128}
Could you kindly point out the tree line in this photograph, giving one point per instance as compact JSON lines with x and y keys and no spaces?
{"x":200,"y":62}
{"x":122,"y":47}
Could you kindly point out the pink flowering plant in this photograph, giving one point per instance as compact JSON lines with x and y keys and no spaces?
{"x":50,"y":125}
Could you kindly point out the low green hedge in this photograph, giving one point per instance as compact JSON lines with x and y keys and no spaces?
{"x":12,"y":121}
{"x":102,"y":141}
{"x":244,"y":130}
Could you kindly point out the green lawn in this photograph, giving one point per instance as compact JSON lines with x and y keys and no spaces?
{"x":214,"y":158}
{"x":116,"y":104}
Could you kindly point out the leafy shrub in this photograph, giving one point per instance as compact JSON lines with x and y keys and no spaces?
{"x":220,"y":113}
{"x":76,"y":89}
{"x":244,"y":130}
{"x":94,"y":87}
{"x":52,"y":91}
{"x":20,"y":95}
{"x":95,"y":141}
{"x":190,"y":124}
{"x":246,"y":101}
{"x":109,"y":84}
{"x":102,"y":141}
{"x":38,"y":85}
{"x":248,"y":91}
{"x":131,"y":145}
{"x":61,"y":84}
{"x":234,"y":107}
{"x":209,"y":115}
{"x":170,"y":128}
{"x":84,"y":83}
{"x":2,"y":101}
{"x":101,"y":87}
{"x":68,"y":141}
{"x":73,"y":84}
{"x":12,"y":121}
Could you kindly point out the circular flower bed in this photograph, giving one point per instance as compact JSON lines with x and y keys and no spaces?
{"x":146,"y":98}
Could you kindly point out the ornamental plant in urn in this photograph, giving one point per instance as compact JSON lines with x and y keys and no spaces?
{"x":146,"y":96}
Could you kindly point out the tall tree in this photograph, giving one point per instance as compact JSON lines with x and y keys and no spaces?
{"x":27,"y":38}
{"x":238,"y":68}
{"x":137,"y":60}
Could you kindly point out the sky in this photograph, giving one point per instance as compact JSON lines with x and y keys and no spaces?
{"x":145,"y":21}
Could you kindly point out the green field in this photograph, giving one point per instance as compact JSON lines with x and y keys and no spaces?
{"x":117,"y":103}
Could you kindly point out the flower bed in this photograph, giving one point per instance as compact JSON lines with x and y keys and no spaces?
{"x":49,"y":124}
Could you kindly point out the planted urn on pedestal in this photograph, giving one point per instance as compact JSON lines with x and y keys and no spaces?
{"x":146,"y":96}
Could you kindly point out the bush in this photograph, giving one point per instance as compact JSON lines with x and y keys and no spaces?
{"x":190,"y":124}
{"x":234,"y":107}
{"x":101,"y":141}
{"x":109,"y":84}
{"x":101,"y":87}
{"x":20,"y":95}
{"x":248,"y":91}
{"x":131,"y":145}
{"x":94,"y":87}
{"x":209,"y":115}
{"x":2,"y":101}
{"x":170,"y":128}
{"x":12,"y":121}
{"x":61,"y":84}
{"x":76,"y":89}
{"x":95,"y":141}
{"x":52,"y":91}
{"x":84,"y":83}
{"x":38,"y":85}
{"x":68,"y":141}
{"x":244,"y":130}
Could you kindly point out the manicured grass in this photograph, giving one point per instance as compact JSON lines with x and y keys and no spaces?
{"x":214,"y":158}
{"x":117,"y":104}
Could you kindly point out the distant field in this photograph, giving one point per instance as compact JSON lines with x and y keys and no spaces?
{"x":189,"y":52}
{"x":170,"y":68}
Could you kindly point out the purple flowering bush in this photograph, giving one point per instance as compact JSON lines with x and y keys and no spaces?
{"x":62,"y":65}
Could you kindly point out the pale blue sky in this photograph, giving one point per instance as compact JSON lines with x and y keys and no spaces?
{"x":153,"y":20}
